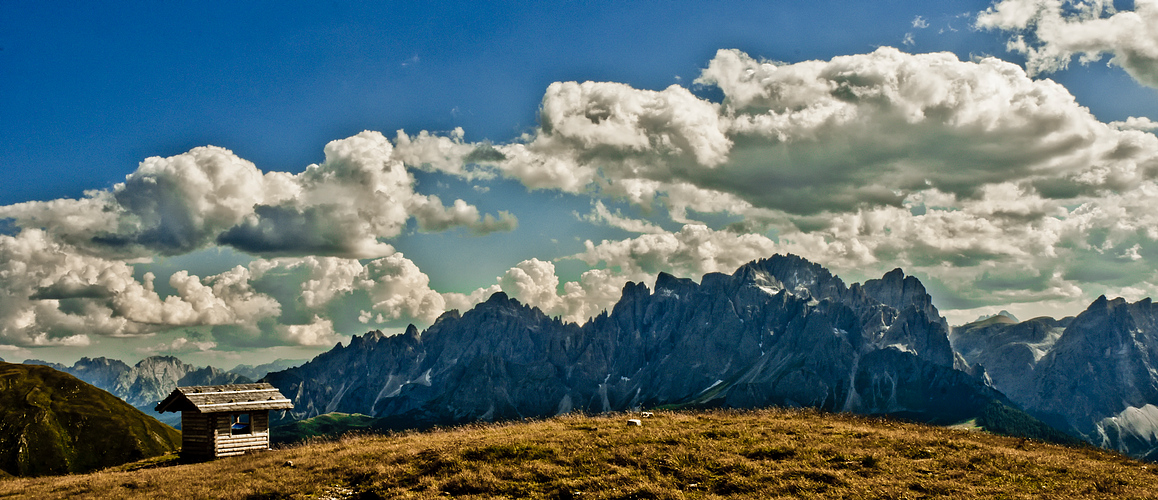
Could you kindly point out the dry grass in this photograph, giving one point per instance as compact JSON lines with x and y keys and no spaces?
{"x":761,"y":454}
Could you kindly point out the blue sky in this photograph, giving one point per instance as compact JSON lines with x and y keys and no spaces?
{"x":1005,"y":176}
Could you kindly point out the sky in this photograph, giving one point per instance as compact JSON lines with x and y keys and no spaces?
{"x":234,"y":183}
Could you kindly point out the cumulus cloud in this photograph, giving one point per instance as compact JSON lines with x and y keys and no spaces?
{"x":868,"y":130}
{"x":55,"y":295}
{"x":692,"y":251}
{"x":398,"y":289}
{"x":1141,"y":123}
{"x":534,"y":282}
{"x":836,"y":136}
{"x":394,"y":287}
{"x":344,"y":206}
{"x":179,"y":345}
{"x":319,"y":332}
{"x":1051,"y":32}
{"x":601,"y":214}
{"x":994,"y":187}
{"x":361,"y":194}
{"x":613,"y":137}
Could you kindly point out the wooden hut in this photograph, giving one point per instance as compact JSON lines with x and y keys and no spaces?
{"x":223,"y":420}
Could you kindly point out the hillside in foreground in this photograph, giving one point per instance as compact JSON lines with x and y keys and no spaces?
{"x":760,"y":454}
{"x":53,"y":423}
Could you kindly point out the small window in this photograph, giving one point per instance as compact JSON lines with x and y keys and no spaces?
{"x":241,"y":424}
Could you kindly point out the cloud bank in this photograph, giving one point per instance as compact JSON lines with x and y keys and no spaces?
{"x":995,"y":187}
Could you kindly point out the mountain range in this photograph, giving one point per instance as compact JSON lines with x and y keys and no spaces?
{"x":152,"y":379}
{"x":781,"y":331}
{"x":1093,"y":376}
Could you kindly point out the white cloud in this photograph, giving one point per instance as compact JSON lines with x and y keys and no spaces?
{"x":920,"y":23}
{"x":838,"y":136}
{"x":692,"y":251}
{"x":343,"y":207}
{"x":394,"y":286}
{"x":615,"y":137}
{"x":179,"y":345}
{"x":534,"y":282}
{"x":53,"y":294}
{"x":1051,"y":32}
{"x":319,"y":332}
{"x":1141,"y":123}
{"x":398,"y":289}
{"x":601,"y":214}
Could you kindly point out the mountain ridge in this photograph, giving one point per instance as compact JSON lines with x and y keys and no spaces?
{"x":781,"y":331}
{"x":147,"y":382}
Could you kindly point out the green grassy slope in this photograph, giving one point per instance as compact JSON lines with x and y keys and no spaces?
{"x":53,"y":423}
{"x":328,"y":425}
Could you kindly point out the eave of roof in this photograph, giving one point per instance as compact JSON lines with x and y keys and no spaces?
{"x":223,"y":398}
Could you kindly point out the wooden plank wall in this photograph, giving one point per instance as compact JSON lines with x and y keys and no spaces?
{"x":229,"y":445}
{"x":197,"y":439}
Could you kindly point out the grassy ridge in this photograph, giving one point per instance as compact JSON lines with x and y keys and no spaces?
{"x":759,"y":454}
{"x":53,"y":423}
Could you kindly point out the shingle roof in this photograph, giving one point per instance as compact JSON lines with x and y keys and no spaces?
{"x":232,"y":397}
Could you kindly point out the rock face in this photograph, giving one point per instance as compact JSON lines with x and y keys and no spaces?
{"x":1008,"y":351}
{"x":1093,"y":376}
{"x":778,"y":331}
{"x":54,"y":423}
{"x":1103,"y":364}
{"x":147,"y":382}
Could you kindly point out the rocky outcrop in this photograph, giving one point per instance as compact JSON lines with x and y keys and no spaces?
{"x":778,"y":331}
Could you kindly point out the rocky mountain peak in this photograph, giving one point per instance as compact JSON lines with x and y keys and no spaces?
{"x":752,"y":338}
{"x":899,"y":291}
{"x":499,"y":298}
{"x":371,"y":337}
{"x":411,"y":332}
{"x":667,"y":284}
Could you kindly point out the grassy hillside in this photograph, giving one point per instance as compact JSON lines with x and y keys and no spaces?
{"x":53,"y":423}
{"x":759,"y":454}
{"x":328,"y":425}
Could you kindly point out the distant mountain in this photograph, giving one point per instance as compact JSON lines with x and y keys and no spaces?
{"x":1008,"y":351}
{"x":1094,"y":376}
{"x":54,"y":423}
{"x":149,"y":381}
{"x":779,"y":331}
{"x":1001,"y":316}
{"x":54,"y":366}
{"x":256,"y":372}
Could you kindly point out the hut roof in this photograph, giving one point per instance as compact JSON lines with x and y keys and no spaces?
{"x":219,"y":398}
